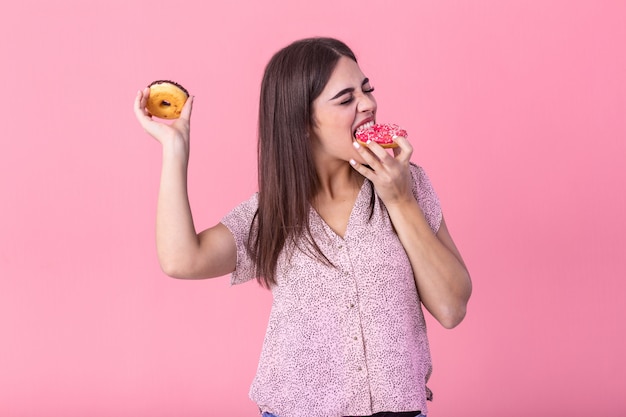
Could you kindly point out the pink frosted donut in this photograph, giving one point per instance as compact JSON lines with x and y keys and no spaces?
{"x":382,"y":134}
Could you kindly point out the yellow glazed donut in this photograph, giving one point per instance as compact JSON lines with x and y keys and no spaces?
{"x":166,"y":99}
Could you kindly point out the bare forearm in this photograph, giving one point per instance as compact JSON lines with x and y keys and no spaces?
{"x":182,"y":252}
{"x":441,"y":277}
{"x":177,"y":240}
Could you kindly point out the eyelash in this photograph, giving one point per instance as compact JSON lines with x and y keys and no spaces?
{"x":371,"y":90}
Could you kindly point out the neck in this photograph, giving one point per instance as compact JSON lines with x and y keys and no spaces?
{"x":336,"y":180}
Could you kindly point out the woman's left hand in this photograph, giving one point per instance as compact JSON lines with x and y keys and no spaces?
{"x":389,"y":174}
{"x":441,"y":277}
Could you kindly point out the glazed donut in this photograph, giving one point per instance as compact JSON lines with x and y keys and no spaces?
{"x":382,"y":134}
{"x":166,"y":99}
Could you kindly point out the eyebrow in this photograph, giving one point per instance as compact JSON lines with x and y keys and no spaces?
{"x":349,"y":90}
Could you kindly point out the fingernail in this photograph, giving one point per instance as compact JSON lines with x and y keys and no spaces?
{"x":356,"y":145}
{"x":368,"y":141}
{"x":352,"y":162}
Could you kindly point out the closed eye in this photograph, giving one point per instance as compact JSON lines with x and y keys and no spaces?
{"x":348,"y":100}
{"x":365,"y":87}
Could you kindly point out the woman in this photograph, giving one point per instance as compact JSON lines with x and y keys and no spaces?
{"x":349,"y":238}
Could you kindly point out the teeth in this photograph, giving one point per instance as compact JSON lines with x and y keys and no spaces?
{"x":364,"y":126}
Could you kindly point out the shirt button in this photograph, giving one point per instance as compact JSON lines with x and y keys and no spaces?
{"x":351,"y":305}
{"x":359,"y":368}
{"x":355,"y":338}
{"x":340,"y":246}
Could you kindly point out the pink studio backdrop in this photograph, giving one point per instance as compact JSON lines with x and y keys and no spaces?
{"x":516,"y":110}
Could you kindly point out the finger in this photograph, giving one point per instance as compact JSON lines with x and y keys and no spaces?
{"x":362,"y":169}
{"x":367,"y":155}
{"x":141,"y":113}
{"x":185,"y":112}
{"x":380,"y":156}
{"x":142,"y":99}
{"x":140,"y":106}
{"x":376,"y":149}
{"x":404,"y":150}
{"x":145,"y":96}
{"x":137,"y":101}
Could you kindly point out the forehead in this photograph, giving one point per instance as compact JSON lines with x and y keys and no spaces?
{"x":346,"y":74}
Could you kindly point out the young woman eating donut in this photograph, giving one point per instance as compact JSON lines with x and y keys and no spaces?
{"x":349,"y":237}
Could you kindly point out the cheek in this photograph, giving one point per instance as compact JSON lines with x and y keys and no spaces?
{"x":337,"y":126}
{"x":334,"y":125}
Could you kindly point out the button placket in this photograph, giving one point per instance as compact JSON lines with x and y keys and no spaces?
{"x":343,"y":257}
{"x":357,"y":349}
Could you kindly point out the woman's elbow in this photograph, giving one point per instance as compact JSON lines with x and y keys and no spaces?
{"x":453,"y":313}
{"x":452,"y":318}
{"x":175,"y":268}
{"x":172,"y":271}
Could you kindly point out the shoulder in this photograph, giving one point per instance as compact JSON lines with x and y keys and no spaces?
{"x":243,"y":211}
{"x":239,"y":221}
{"x":240,"y":218}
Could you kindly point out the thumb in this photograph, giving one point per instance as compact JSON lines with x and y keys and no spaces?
{"x":185,"y":113}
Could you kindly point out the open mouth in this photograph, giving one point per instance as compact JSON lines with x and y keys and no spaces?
{"x":364,"y":126}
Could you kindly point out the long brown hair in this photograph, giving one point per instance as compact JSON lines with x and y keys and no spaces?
{"x":293,"y":79}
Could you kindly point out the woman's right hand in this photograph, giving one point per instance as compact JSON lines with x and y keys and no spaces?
{"x":175,"y":133}
{"x":182,"y":252}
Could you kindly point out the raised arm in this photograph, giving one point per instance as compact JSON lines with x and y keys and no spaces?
{"x":182,"y":252}
{"x":441,"y":277}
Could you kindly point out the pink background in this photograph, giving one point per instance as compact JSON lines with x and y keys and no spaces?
{"x":516,"y":109}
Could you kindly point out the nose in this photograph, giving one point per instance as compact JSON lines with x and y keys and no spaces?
{"x":367,"y":102}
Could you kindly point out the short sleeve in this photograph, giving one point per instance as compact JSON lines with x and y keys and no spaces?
{"x":426,"y":197}
{"x":238,"y":221}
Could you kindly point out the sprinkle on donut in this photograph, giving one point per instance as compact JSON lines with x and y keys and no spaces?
{"x":382,"y":134}
{"x":166,"y":99}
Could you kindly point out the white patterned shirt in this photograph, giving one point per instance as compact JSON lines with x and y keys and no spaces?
{"x":348,"y":339}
